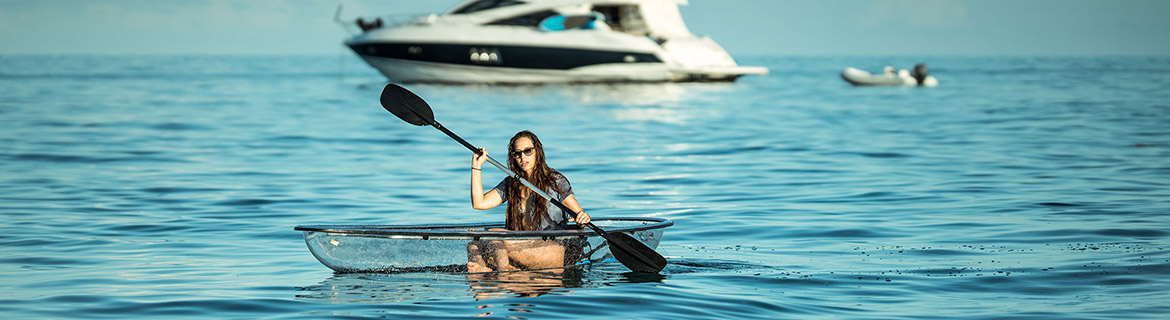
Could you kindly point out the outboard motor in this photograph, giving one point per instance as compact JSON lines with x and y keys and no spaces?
{"x":919,"y":73}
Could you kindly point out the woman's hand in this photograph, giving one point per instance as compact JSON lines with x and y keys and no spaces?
{"x":582,"y":218}
{"x":477,"y":160}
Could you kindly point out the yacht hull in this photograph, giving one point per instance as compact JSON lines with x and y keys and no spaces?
{"x":414,"y":71}
{"x":508,"y":63}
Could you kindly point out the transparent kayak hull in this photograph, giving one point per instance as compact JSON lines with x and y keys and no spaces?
{"x":443,"y":247}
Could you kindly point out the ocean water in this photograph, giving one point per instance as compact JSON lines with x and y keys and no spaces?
{"x":169,"y":186}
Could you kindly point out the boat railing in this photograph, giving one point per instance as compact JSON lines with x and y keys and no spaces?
{"x":365,"y":24}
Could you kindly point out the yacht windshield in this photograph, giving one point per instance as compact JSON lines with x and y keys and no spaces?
{"x":528,"y":20}
{"x":482,"y":5}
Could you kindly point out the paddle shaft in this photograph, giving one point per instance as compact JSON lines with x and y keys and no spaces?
{"x":564,"y":209}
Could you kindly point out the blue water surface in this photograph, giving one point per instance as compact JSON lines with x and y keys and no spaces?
{"x":168,"y":187}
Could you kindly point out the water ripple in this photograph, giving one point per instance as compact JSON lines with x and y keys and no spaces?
{"x":1036,"y":195}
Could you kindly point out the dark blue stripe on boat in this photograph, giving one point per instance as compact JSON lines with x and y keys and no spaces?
{"x":524,"y":57}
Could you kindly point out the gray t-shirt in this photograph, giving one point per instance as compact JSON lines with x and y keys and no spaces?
{"x":556,"y":219}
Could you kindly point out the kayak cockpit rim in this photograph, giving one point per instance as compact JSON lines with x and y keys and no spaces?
{"x":479,"y":230}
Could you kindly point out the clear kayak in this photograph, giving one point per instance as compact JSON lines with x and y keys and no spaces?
{"x":443,"y":247}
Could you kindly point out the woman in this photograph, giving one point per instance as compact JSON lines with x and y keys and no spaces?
{"x":527,"y":211}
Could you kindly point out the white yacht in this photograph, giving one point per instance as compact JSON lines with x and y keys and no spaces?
{"x":545,"y":41}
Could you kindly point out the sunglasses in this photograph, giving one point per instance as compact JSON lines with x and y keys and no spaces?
{"x":525,"y":152}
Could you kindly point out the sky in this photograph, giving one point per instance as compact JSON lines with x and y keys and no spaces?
{"x":743,"y":27}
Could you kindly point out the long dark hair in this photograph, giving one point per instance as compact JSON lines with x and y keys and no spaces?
{"x":542,"y":176}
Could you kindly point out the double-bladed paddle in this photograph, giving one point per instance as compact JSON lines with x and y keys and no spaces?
{"x":629,"y":251}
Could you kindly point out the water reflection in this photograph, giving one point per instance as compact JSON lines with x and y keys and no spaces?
{"x":524,"y":283}
{"x":396,"y":287}
{"x":418,"y":286}
{"x":625,"y":94}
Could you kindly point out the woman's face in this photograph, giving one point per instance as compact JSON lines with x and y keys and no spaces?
{"x":525,"y":154}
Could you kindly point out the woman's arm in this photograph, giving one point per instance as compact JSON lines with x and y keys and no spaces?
{"x":479,"y":199}
{"x":571,"y":202}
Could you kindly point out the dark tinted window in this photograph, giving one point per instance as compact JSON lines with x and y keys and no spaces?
{"x":530,"y":20}
{"x":482,"y":5}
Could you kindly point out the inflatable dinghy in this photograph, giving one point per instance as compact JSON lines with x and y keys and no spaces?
{"x":889,"y":77}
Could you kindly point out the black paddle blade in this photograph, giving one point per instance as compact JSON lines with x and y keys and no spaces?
{"x":406,"y":105}
{"x":634,"y":254}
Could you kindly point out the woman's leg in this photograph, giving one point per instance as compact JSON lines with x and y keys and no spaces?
{"x":536,"y":254}
{"x":514,"y":255}
{"x":476,"y":250}
{"x":499,"y":253}
{"x":482,"y":255}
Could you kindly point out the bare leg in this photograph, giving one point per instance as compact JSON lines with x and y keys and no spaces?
{"x":513,"y":255}
{"x":475,"y":254}
{"x":536,"y":254}
{"x":481,"y":255}
{"x":500,"y":253}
